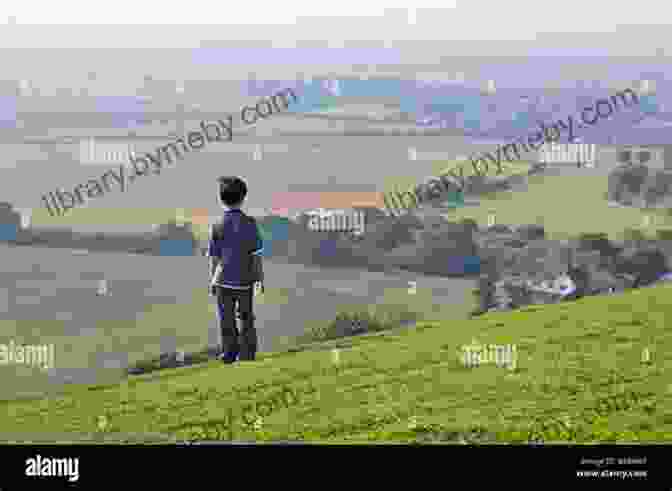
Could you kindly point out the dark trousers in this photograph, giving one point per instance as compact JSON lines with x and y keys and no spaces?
{"x":234,"y":343}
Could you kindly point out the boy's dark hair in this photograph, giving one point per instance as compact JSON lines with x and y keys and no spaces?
{"x":232,"y":190}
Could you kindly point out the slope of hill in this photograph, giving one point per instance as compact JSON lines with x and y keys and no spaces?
{"x":580,"y":376}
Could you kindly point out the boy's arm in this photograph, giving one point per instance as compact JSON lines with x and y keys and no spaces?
{"x":214,"y":262}
{"x":257,"y":263}
{"x":213,"y":255}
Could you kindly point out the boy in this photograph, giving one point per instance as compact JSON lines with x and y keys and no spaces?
{"x":234,"y":249}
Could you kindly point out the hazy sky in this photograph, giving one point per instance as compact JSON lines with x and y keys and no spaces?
{"x":203,"y":12}
{"x":460,"y":19}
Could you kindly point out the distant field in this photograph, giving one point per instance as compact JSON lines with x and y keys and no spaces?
{"x":566,"y":205}
{"x":105,"y":215}
{"x":440,"y":167}
{"x":509,"y":168}
{"x":120,"y":216}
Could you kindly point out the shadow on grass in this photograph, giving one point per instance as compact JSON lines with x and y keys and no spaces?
{"x":171,"y":360}
{"x":345,"y":325}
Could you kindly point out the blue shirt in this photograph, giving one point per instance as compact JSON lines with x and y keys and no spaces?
{"x":234,"y":239}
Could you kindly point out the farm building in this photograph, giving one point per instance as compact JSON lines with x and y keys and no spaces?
{"x":92,"y":151}
{"x":579,"y":154}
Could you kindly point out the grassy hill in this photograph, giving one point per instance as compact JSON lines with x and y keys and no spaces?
{"x":579,"y":377}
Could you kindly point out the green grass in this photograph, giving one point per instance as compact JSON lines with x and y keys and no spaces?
{"x":567,"y":205}
{"x":580,"y":377}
